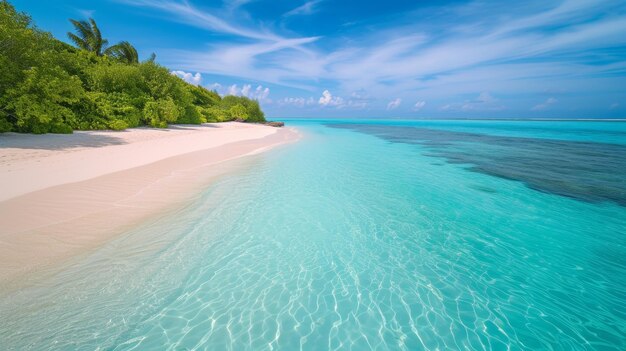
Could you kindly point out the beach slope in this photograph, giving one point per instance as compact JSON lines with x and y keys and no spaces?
{"x":62,"y":195}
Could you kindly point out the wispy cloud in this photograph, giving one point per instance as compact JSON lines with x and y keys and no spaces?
{"x":184,"y":12}
{"x":86,"y":13}
{"x":419,"y":105}
{"x":544,"y":105}
{"x":483,"y":102}
{"x":523,"y":50}
{"x":307,"y":8}
{"x":394,"y":104}
{"x":233,"y":5}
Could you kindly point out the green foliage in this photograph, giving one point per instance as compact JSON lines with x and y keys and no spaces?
{"x":238,"y":112}
{"x":21,"y":46}
{"x":253,"y":111}
{"x":124,"y":52}
{"x":42,"y":101}
{"x":203,"y":97}
{"x":118,"y":125}
{"x":215,"y":114}
{"x":112,"y":77}
{"x":255,"y":114}
{"x":103,"y":109}
{"x":160,"y":112}
{"x":191,"y":115}
{"x":88,"y":36}
{"x":5,"y":125}
{"x":49,"y":86}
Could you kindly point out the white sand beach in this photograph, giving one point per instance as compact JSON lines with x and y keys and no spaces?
{"x":62,"y":195}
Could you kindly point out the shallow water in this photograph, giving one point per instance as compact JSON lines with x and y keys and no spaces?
{"x":366,"y":235}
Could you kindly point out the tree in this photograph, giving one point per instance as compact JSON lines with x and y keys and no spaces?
{"x":160,"y":112}
{"x":43,"y":101}
{"x":21,"y":45}
{"x":50,"y":86}
{"x":238,"y":112}
{"x":255,"y":114}
{"x":152,"y":58}
{"x":124,"y":52}
{"x":88,"y":36}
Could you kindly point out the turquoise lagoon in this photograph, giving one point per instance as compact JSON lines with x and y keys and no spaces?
{"x":383,"y":235}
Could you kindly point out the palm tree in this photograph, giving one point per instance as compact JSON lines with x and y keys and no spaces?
{"x":123,"y":51}
{"x":88,"y":36}
{"x":152,"y":58}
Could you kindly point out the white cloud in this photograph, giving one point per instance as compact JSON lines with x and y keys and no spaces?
{"x":327,"y":99}
{"x":544,"y":105}
{"x":233,"y":90}
{"x":306,"y":9}
{"x":297,"y":101}
{"x":419,"y":105}
{"x":86,"y":13}
{"x":485,"y":97}
{"x":245,"y":91}
{"x":393,"y":104}
{"x":185,"y":13}
{"x":356,"y":104}
{"x":539,"y":44}
{"x":188,"y":77}
{"x":215,"y":86}
{"x":359,"y":95}
{"x":483,"y":102}
{"x":260,"y":93}
{"x":358,"y":100}
{"x":233,"y":5}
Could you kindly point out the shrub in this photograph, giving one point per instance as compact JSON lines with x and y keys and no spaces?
{"x":254,"y":112}
{"x":191,"y":115}
{"x":42,"y":101}
{"x":49,"y":86}
{"x":161,"y":112}
{"x":5,"y":125}
{"x":215,"y":114}
{"x":113,"y":77}
{"x":118,"y":125}
{"x":61,"y":128}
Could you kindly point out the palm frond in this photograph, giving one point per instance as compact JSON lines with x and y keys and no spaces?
{"x":99,"y":44}
{"x":123,"y":51}
{"x":88,"y":36}
{"x":78,"y":41}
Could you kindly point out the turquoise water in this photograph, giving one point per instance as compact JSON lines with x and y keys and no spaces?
{"x":366,"y":235}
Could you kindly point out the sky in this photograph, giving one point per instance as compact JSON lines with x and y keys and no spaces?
{"x":379,"y":59}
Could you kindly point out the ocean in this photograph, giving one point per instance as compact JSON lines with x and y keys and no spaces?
{"x":365,"y":234}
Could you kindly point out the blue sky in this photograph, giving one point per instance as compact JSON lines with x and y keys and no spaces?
{"x":384,"y":59}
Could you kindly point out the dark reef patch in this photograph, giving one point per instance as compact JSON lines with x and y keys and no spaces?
{"x":587,"y":171}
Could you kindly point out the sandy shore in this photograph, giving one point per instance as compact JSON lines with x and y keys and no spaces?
{"x":62,"y":195}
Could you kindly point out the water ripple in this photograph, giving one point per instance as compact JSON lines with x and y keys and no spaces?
{"x":359,"y":245}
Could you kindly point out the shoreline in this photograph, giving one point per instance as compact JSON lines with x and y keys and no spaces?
{"x":49,"y":225}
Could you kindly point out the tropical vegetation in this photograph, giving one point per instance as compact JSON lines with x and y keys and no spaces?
{"x":48,"y":86}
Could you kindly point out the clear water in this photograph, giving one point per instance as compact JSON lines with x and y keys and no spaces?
{"x":366,"y":235}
